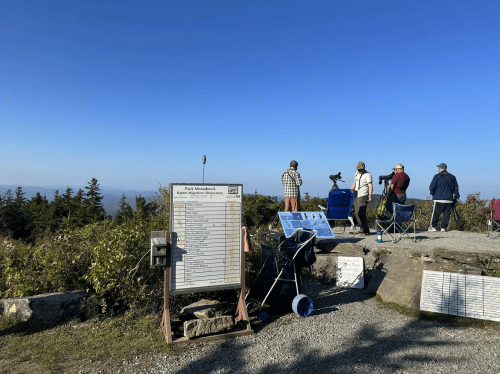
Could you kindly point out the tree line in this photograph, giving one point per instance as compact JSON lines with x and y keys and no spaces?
{"x":28,"y":220}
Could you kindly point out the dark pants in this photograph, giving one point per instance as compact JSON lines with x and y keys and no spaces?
{"x":360,"y":211}
{"x":393,"y":198}
{"x":439,"y":208}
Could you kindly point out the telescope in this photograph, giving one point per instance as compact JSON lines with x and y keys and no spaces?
{"x":384,"y":178}
{"x":334,"y":179}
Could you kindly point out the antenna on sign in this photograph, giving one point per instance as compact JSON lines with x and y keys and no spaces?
{"x":204,"y":162}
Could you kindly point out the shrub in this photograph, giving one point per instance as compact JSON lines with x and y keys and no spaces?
{"x":119,"y":273}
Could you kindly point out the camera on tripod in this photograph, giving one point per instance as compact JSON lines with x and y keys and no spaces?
{"x":385,"y":178}
{"x":334,"y":179}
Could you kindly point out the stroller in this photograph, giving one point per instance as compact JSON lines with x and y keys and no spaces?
{"x":279,"y":280}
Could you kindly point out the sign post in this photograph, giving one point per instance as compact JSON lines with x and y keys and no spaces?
{"x":205,"y":247}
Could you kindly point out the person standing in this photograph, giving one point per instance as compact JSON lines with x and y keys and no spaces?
{"x":444,"y":191}
{"x":397,"y":190}
{"x":291,"y":181}
{"x":364,"y":188}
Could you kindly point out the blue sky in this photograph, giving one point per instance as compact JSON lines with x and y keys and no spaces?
{"x":135,"y":93}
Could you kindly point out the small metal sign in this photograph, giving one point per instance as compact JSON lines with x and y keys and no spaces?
{"x":205,"y":224}
{"x":350,"y":272}
{"x":466,"y":295}
{"x":291,"y":221}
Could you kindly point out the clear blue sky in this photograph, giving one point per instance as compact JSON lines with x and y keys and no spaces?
{"x":134,"y":93}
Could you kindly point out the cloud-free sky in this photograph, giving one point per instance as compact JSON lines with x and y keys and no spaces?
{"x":135,"y":93}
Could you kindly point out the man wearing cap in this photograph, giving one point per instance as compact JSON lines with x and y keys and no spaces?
{"x":397,"y":190}
{"x":444,"y":191}
{"x":291,"y":181}
{"x":364,"y":188}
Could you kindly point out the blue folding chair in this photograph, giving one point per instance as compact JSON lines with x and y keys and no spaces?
{"x":401,"y":214}
{"x":339,"y":207}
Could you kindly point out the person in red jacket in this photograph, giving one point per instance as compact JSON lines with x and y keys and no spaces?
{"x":397,"y":190}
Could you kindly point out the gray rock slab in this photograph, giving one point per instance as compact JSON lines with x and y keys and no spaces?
{"x":200,"y":327}
{"x":202,"y":309}
{"x":52,"y":307}
{"x":334,"y":246}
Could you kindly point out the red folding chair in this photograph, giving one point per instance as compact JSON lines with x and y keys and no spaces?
{"x":493,"y":214}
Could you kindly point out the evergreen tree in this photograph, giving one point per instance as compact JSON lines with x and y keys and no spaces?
{"x":93,"y":202}
{"x":39,"y":215}
{"x":125,"y":213}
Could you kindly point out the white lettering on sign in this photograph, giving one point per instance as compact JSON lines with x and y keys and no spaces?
{"x":206,"y":236}
{"x":350,"y":272}
{"x":465,"y":295}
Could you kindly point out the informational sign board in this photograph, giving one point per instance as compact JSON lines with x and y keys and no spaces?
{"x":205,"y":224}
{"x":464,"y":295}
{"x":291,"y":221}
{"x":350,"y":272}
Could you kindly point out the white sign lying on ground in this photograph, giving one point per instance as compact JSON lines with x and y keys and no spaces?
{"x":350,"y":272}
{"x":466,"y":295}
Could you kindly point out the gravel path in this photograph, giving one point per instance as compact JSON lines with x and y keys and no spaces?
{"x":347,"y":332}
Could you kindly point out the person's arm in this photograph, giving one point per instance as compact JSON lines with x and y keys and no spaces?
{"x":283,"y":177}
{"x":457,"y":194}
{"x":370,"y":190}
{"x":298,"y":179}
{"x":432,"y":187}
{"x":393,"y":184}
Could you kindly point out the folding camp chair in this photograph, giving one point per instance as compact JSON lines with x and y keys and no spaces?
{"x":400,"y":215}
{"x":493,"y":214}
{"x":339,"y":207}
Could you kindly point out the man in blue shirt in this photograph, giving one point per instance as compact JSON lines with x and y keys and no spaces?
{"x":444,"y":191}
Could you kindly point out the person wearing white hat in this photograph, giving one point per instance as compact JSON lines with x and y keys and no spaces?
{"x":397,"y":190}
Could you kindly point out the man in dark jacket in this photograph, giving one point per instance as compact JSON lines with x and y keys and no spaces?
{"x":444,"y":191}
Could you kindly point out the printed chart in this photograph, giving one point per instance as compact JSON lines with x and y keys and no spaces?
{"x":466,"y":295}
{"x":206,"y":237}
{"x":291,"y":221}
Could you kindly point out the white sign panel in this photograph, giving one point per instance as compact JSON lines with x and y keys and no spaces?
{"x":464,"y":295}
{"x":205,"y":222}
{"x":350,"y":272}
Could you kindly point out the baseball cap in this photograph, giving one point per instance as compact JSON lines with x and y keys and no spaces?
{"x":442,"y":165}
{"x":360,"y":166}
{"x":399,"y":166}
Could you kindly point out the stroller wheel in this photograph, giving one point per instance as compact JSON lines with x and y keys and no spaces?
{"x":302,"y":305}
{"x":263,"y":316}
{"x":249,"y":307}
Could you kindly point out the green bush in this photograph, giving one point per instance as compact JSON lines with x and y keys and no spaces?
{"x":119,"y":273}
{"x":54,"y":264}
{"x":471,"y":219}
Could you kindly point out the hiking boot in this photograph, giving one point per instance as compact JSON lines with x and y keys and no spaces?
{"x":443,"y":230}
{"x":431,"y":228}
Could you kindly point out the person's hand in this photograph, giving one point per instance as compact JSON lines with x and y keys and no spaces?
{"x":370,"y":198}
